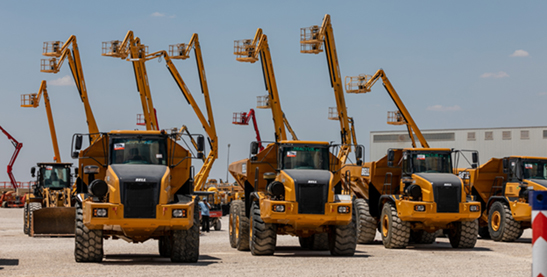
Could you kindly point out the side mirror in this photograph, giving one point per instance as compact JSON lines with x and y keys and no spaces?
{"x":359,"y":152}
{"x":390,"y":157}
{"x":75,"y":172}
{"x":78,"y":143}
{"x":475,"y":157}
{"x":200,"y":144}
{"x":254,"y":148}
{"x":75,"y":154}
{"x":506,"y":166}
{"x":32,"y":171}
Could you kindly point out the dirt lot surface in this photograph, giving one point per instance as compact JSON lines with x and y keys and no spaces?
{"x":21,"y":255}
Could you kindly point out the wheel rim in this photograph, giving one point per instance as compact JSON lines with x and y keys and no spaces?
{"x":385,"y":225}
{"x":496,"y":221}
{"x":251,"y":228}
{"x":237,"y":227}
{"x":230,"y":228}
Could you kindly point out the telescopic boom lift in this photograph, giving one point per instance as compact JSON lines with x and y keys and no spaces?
{"x":70,"y":51}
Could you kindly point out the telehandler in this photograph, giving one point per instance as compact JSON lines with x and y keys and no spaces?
{"x":292,"y":187}
{"x":502,"y":186}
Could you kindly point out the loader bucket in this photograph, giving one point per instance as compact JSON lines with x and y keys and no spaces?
{"x":53,"y":222}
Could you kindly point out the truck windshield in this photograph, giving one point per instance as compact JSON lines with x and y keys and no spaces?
{"x":430,"y":162}
{"x":138,"y":151}
{"x":55,"y":177}
{"x":305,"y":157}
{"x":534,"y":169}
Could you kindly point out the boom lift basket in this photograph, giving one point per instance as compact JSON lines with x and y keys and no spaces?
{"x":244,"y":50}
{"x":395,"y":118}
{"x":52,"y":48}
{"x":240,"y":118}
{"x":49,"y":65}
{"x":28,"y":100}
{"x":263,"y":102}
{"x":357,"y":84}
{"x":310,"y":42}
{"x":333,"y":113}
{"x":141,"y":120}
{"x":110,"y":48}
{"x":178,"y":51}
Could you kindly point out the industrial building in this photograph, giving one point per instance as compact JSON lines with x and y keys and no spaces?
{"x":490,"y":142}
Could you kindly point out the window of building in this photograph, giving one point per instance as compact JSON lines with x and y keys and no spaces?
{"x":489,"y":135}
{"x":544,"y":133}
{"x":470,"y":135}
{"x":506,"y":135}
{"x":524,"y":134}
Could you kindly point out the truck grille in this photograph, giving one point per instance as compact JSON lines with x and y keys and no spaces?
{"x":447,"y":199}
{"x":140,"y":199}
{"x":311,"y":198}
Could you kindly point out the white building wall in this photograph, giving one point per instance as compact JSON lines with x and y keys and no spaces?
{"x":535,"y":145}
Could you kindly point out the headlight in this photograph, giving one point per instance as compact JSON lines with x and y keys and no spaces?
{"x":343,"y":209}
{"x":100,"y":212}
{"x":474,"y":208}
{"x":419,"y":208}
{"x":278,"y":208}
{"x":178,"y":213}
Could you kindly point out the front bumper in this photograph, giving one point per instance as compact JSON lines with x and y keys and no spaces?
{"x":407,"y":212}
{"x":290,"y":215}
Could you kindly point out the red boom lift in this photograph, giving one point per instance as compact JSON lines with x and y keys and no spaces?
{"x":10,"y":198}
{"x":243,"y":118}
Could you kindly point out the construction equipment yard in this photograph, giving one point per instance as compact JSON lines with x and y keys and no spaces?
{"x":21,"y":255}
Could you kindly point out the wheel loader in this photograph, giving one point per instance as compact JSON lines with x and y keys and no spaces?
{"x":49,"y":209}
{"x":502,"y":186}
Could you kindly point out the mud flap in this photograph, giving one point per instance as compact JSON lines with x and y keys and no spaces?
{"x":53,"y":222}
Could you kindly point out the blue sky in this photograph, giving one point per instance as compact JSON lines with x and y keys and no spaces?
{"x":455,"y":64}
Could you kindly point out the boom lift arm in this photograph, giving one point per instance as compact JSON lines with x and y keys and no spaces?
{"x":53,"y":65}
{"x":311,"y":41}
{"x":248,"y":51}
{"x":33,"y":101}
{"x":364,"y":83}
{"x":243,"y":119}
{"x":131,"y":47}
{"x":18,"y":147}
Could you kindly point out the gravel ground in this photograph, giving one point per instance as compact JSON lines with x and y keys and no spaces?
{"x":21,"y":255}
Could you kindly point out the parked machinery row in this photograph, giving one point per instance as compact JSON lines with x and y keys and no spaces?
{"x":140,"y":185}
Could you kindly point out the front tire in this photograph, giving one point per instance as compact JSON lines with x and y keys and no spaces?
{"x":343,"y":238}
{"x":263,"y":236}
{"x":232,"y":226}
{"x":88,"y":243}
{"x":26,"y":225}
{"x":464,"y":234}
{"x":395,"y":232}
{"x":34,"y":206}
{"x":501,"y":224}
{"x":186,"y":242}
{"x":366,"y":224}
{"x":165,"y":246}
{"x":242,"y":227}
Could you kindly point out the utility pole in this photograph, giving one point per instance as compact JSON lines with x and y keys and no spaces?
{"x":228,"y":163}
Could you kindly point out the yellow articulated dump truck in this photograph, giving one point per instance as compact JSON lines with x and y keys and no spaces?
{"x":291,"y":187}
{"x":502,"y":187}
{"x":136,"y":185}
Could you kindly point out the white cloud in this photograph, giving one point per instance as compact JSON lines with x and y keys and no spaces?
{"x":158,"y":14}
{"x":519,"y":53}
{"x":441,"y":108}
{"x":494,"y":75}
{"x":63,"y":81}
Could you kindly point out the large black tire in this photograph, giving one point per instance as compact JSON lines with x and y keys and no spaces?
{"x":343,"y":238}
{"x":232,"y":226}
{"x":186,"y":242}
{"x":242,"y":227}
{"x":31,"y":208}
{"x":395,"y":232}
{"x":315,"y":242}
{"x":422,"y":237}
{"x":26,"y":225}
{"x":263,"y":236}
{"x":165,"y":246}
{"x":88,"y":243}
{"x":501,"y":224}
{"x":464,"y":234}
{"x":484,"y":233}
{"x":366,"y":224}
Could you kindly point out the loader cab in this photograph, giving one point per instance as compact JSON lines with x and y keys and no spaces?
{"x":138,"y":150}
{"x":525,"y":169}
{"x":304,"y":156}
{"x":53,"y":175}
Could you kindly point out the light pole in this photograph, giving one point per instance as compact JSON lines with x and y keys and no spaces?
{"x":228,"y":163}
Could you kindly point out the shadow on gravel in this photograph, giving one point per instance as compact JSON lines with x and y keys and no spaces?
{"x":444,"y":246}
{"x":9,"y":262}
{"x":147,"y":259}
{"x":296,"y":251}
